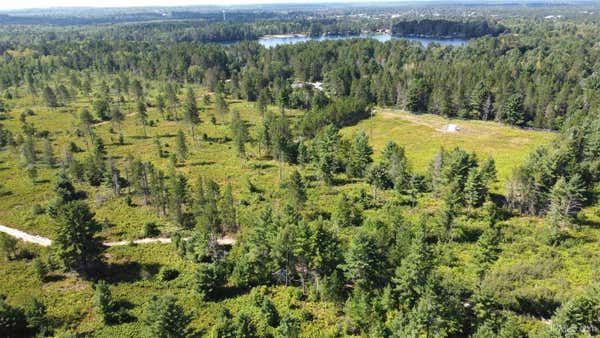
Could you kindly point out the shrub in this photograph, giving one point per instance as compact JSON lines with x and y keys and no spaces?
{"x":151,"y":230}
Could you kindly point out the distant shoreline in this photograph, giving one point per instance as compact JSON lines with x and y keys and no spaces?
{"x":282,"y":36}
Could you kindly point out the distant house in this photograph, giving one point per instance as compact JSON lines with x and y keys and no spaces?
{"x":300,"y":84}
{"x":452,"y":128}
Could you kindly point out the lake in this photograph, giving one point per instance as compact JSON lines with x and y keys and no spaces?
{"x":272,"y":41}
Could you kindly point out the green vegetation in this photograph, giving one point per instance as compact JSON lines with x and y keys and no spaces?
{"x":260,"y":208}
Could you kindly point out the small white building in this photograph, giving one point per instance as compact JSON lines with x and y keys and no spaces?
{"x":452,"y":128}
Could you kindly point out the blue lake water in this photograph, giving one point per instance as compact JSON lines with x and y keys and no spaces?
{"x":269,"y":42}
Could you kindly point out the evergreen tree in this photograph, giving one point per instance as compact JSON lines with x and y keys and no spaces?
{"x":105,"y":305}
{"x":239,"y":130}
{"x":116,"y":116}
{"x":221,"y":105}
{"x":513,"y":110}
{"x":48,"y":153}
{"x":488,"y":171}
{"x":8,"y":246}
{"x":158,"y":146}
{"x":165,"y":318}
{"x":207,"y":280}
{"x":190,"y":111}
{"x":76,"y":242}
{"x":41,"y":269}
{"x":566,"y":199}
{"x":487,"y":249}
{"x":142,"y":114}
{"x":364,"y":258}
{"x":244,"y":326}
{"x":410,"y":278}
{"x":227,"y":210}
{"x":326,"y":146}
{"x":86,"y":120}
{"x":182,"y":148}
{"x":360,"y":155}
{"x":346,"y":213}
{"x":475,"y":190}
{"x":64,"y":189}
{"x":179,"y":194}
{"x":296,"y":189}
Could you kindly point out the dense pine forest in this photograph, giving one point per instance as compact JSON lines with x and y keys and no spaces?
{"x":163,"y":174}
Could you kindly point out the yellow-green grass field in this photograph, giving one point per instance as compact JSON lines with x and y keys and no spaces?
{"x":211,"y":159}
{"x":423,"y":135}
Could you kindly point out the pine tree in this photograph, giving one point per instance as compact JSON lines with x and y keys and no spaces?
{"x":475,"y":190}
{"x":182,"y":148}
{"x":165,"y":318}
{"x":8,"y":246}
{"x":76,"y":242}
{"x":105,"y":305}
{"x":364,"y":261}
{"x":179,"y":195}
{"x":513,"y":110}
{"x":227,"y":210}
{"x":117,"y":117}
{"x":346,"y":213}
{"x":296,"y":189}
{"x":207,"y":280}
{"x":488,"y":171}
{"x":360,"y":155}
{"x":142,"y":115}
{"x":190,"y":111}
{"x":410,"y":278}
{"x":221,"y":105}
{"x":487,"y":249}
{"x":48,"y":153}
{"x":239,"y":130}
{"x":566,"y":199}
{"x":158,"y":146}
{"x":86,"y":120}
{"x":326,"y":146}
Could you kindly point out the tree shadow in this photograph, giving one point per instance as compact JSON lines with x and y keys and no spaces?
{"x":166,"y":136}
{"x":201,"y":163}
{"x":261,"y":166}
{"x":228,"y":292}
{"x":53,"y":277}
{"x":126,"y":272}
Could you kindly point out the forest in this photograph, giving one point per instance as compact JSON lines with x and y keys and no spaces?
{"x":175,"y":178}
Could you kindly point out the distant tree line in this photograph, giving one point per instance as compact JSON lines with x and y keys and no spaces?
{"x":447,"y":28}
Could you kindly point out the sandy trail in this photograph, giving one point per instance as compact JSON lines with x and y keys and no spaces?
{"x":43,"y":241}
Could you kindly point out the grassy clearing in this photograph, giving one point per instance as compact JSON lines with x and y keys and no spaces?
{"x":211,"y":158}
{"x":423,"y":135}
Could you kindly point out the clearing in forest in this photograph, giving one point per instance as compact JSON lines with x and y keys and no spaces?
{"x":423,"y":134}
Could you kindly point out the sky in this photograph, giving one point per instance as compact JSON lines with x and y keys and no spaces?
{"x":20,"y":4}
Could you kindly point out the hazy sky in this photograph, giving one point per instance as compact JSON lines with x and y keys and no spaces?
{"x":18,"y":4}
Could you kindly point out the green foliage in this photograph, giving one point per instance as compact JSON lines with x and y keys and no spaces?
{"x":105,"y":305}
{"x":8,"y":246}
{"x":13,"y":322}
{"x":579,"y":315}
{"x":325,"y":146}
{"x":346,"y":213}
{"x":165,"y":318}
{"x":360,"y":156}
{"x":208,"y":279}
{"x":76,"y":243}
{"x":364,"y":260}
